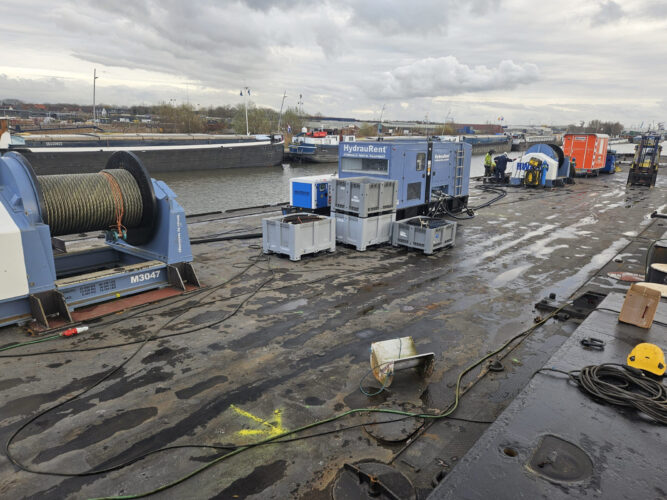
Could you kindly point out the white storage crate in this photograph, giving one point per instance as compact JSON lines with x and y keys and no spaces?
{"x":363,"y":231}
{"x":298,"y":234}
{"x":424,"y":233}
{"x":363,"y":196}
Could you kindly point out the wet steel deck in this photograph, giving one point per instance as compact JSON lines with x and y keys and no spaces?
{"x":298,"y":345}
{"x":626,"y":451}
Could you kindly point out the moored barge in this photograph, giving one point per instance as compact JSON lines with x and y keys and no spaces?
{"x":85,"y":153}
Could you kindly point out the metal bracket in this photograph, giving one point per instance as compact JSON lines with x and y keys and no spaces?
{"x":580,"y":308}
{"x":593,"y":343}
{"x":174,"y":277}
{"x":45,"y":304}
{"x":375,"y":486}
{"x":181,"y":273}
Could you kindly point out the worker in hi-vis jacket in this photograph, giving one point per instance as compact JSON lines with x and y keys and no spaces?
{"x":489,"y":164}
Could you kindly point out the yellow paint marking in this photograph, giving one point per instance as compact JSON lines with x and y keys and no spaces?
{"x":272,"y":427}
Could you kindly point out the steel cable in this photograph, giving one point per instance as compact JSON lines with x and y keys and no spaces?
{"x":81,"y":203}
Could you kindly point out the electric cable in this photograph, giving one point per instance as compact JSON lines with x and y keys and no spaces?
{"x":440,"y":208}
{"x":437,"y":416}
{"x":407,"y":414}
{"x":204,"y":292}
{"x":443,"y":414}
{"x":234,"y":446}
{"x":135,"y":459}
{"x":131,"y":342}
{"x":491,"y":189}
{"x":469,"y":212}
{"x":247,"y":236}
{"x":99,"y":381}
{"x":621,"y":385}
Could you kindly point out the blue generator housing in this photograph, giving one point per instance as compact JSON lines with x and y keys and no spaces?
{"x":426,"y":171}
{"x":610,"y":164}
{"x":310,"y":192}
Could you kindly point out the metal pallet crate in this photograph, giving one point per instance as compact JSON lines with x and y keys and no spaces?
{"x":298,"y":234}
{"x":364,"y":196}
{"x":424,"y":233}
{"x":363,"y":231}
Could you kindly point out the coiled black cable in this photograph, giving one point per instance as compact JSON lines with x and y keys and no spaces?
{"x":491,"y":189}
{"x":622,"y":386}
{"x":439,"y":209}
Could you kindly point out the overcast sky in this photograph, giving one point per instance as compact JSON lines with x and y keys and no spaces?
{"x":526,"y":61}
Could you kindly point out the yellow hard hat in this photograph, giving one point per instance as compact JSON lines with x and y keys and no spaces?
{"x":647,"y":357}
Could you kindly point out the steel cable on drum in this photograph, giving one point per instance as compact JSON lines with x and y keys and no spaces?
{"x":79,"y":203}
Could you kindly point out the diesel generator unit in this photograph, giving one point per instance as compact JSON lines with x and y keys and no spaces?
{"x":428,"y":173}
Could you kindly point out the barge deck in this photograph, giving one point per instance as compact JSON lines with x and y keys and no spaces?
{"x":273,"y":345}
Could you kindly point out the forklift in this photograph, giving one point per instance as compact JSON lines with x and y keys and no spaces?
{"x":644,"y":167}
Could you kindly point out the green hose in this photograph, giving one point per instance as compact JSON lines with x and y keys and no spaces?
{"x":51,"y":337}
{"x":436,"y":416}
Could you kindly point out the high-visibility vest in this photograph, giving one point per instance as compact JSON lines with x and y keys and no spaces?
{"x":488,"y":161}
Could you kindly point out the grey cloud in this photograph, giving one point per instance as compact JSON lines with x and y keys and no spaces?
{"x":607,"y":12}
{"x":328,"y":36}
{"x":483,"y":7}
{"x":330,"y":49}
{"x":432,"y":77}
{"x":37,"y":90}
{"x":54,"y":90}
{"x":654,"y":9}
{"x":394,"y":16}
{"x":277,"y":4}
{"x":205,"y":40}
{"x":425,"y":16}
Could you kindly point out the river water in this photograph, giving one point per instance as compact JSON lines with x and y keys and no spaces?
{"x":211,"y":190}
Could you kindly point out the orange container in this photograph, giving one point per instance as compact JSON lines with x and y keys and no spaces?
{"x":589,"y":151}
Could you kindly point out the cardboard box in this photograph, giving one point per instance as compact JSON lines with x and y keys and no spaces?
{"x":655,"y":286}
{"x":641,"y":303}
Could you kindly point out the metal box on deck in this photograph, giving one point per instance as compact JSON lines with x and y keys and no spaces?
{"x":363,"y":196}
{"x":298,"y":234}
{"x":310,"y":192}
{"x":588,"y":150}
{"x":424,"y":233}
{"x":363,"y":231}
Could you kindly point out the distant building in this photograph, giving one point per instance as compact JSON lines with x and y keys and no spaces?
{"x":481,"y":128}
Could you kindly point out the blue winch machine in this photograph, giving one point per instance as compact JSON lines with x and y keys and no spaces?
{"x":543,"y":165}
{"x":427,"y":172}
{"x":146,"y":244}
